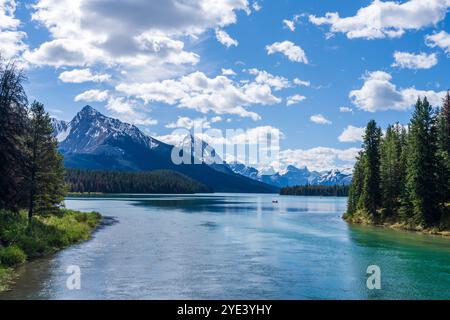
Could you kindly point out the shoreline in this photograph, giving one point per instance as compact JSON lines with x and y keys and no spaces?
{"x":73,"y":227}
{"x":401,"y":227}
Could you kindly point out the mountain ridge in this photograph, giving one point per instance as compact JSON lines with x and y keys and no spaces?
{"x":94,"y":141}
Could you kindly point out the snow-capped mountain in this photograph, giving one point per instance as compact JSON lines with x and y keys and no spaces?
{"x":94,"y":141}
{"x":293,"y":176}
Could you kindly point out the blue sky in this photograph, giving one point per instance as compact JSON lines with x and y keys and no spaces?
{"x":159,"y":64}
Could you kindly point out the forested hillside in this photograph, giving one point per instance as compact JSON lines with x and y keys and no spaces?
{"x":315,"y":190}
{"x":160,"y":181}
{"x":403,"y":176}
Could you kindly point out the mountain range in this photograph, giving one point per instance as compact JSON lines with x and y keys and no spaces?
{"x":94,"y":141}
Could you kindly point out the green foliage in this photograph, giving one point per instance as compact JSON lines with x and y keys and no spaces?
{"x":21,"y":241}
{"x":11,"y":256}
{"x":309,"y":190}
{"x":403,"y":176}
{"x":371,"y":196}
{"x":13,"y":130}
{"x":161,"y":181}
{"x":46,"y":186}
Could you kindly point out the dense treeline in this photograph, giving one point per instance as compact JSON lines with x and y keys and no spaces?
{"x":161,"y":181}
{"x":403,"y":175}
{"x":312,"y":190}
{"x":31,"y":168}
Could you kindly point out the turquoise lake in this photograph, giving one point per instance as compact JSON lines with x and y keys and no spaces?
{"x":237,"y":246}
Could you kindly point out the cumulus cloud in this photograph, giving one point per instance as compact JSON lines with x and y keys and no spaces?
{"x":289,"y":49}
{"x":228,"y":72}
{"x":378,"y":93}
{"x":128,"y":110}
{"x":224,"y":38}
{"x":301,"y":83}
{"x":319,"y":119}
{"x":196,"y":91}
{"x":264,"y":77}
{"x":188,"y":123}
{"x":295,"y":99}
{"x":320,"y":158}
{"x":408,"y":60}
{"x":351,"y":134}
{"x":82,"y":75}
{"x":441,"y":40}
{"x":11,"y":38}
{"x":386,"y":19}
{"x":128,"y":35}
{"x":92,"y":96}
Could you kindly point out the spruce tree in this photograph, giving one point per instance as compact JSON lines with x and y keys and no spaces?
{"x":443,"y":151}
{"x":356,"y":185}
{"x":46,"y":184}
{"x":371,"y":195}
{"x":13,"y":123}
{"x":421,"y":166}
{"x":391,"y":169}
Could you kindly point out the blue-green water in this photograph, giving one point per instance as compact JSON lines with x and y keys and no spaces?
{"x":226,"y":246}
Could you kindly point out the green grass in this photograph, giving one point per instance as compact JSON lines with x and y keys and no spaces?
{"x":21,"y":242}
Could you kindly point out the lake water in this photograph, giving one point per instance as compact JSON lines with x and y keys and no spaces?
{"x":227,"y":246}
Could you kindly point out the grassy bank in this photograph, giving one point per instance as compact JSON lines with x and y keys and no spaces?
{"x":21,"y":242}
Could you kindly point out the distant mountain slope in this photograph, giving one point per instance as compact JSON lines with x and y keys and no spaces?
{"x":158,"y":181}
{"x":94,"y":141}
{"x":294,"y":176}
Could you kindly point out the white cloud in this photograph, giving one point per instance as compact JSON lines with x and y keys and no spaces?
{"x":345,"y":109}
{"x":82,"y":75}
{"x":351,"y":134}
{"x":92,"y":96}
{"x":224,"y":38}
{"x":378,"y":93}
{"x":319,"y":119}
{"x":414,"y":61}
{"x":188,"y":123}
{"x":383,"y":19}
{"x":295,"y":99}
{"x":320,"y":158}
{"x":138,"y":38}
{"x":128,"y":110}
{"x":290,"y":24}
{"x":289,"y":49}
{"x":441,"y":40}
{"x":264,"y":77}
{"x":196,"y":91}
{"x":216,"y":119}
{"x":11,"y":39}
{"x":256,"y":6}
{"x":228,"y":72}
{"x":301,"y":83}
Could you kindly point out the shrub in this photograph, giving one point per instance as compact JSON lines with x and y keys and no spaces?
{"x":12,"y":256}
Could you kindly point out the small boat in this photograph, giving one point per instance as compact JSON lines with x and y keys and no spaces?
{"x":275,"y":201}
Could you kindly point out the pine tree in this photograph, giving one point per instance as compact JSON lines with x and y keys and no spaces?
{"x":443,"y":151}
{"x":13,"y":123}
{"x":356,"y":185}
{"x":371,"y":195}
{"x":46,"y":184}
{"x":391,"y":169}
{"x":421,"y":166}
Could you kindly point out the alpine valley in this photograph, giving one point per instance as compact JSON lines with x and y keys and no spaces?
{"x":96,"y":142}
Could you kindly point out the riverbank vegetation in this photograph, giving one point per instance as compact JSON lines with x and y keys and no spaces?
{"x":160,"y":181}
{"x":402,"y":177}
{"x":310,"y":190}
{"x":33,"y":221}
